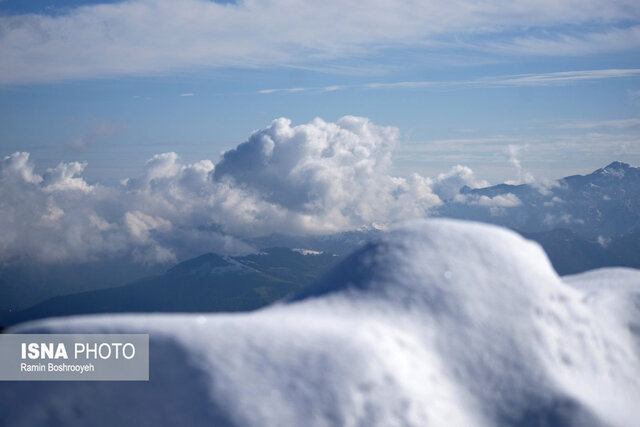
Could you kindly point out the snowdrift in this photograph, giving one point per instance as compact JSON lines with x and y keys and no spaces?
{"x":434,"y":323}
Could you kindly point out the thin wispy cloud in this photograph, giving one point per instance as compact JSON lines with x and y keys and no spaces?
{"x":461,"y":144}
{"x":547,"y":79}
{"x":187,"y":94}
{"x":634,"y":95}
{"x":615,"y":124}
{"x":413,"y":84}
{"x":616,"y":39}
{"x":305,"y":89}
{"x":97,"y":132}
{"x":151,"y":37}
{"x":586,"y":144}
{"x":542,"y":79}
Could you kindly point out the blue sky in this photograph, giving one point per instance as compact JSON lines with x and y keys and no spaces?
{"x":113,"y":84}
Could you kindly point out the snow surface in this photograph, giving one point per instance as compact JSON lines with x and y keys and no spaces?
{"x":434,"y":323}
{"x":308,"y":252}
{"x":612,"y":290}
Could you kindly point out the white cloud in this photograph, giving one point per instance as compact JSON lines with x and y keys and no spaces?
{"x":564,"y":218}
{"x":65,"y":177}
{"x":523,"y":177}
{"x":447,"y":185}
{"x":603,"y":241}
{"x":328,"y":176}
{"x":507,"y":200}
{"x":313,"y":178}
{"x":160,"y":36}
{"x":563,"y":77}
{"x":59,"y":217}
{"x":299,"y":89}
{"x":496,"y":206}
{"x":140,"y":225}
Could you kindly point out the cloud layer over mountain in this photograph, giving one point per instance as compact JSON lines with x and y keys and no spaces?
{"x":314,"y":178}
{"x":311,"y":179}
{"x":483,"y":334}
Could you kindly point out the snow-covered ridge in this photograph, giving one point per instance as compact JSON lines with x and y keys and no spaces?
{"x":434,"y":323}
{"x":308,"y":252}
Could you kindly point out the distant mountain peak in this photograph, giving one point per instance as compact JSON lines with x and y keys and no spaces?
{"x":203,"y":264}
{"x":605,"y":202}
{"x":616,"y":169}
{"x":617,"y":165}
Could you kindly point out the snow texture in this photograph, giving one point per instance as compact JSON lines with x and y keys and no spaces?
{"x":434,"y":323}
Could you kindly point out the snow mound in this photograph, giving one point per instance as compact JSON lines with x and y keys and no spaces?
{"x":612,"y":290}
{"x":434,"y":323}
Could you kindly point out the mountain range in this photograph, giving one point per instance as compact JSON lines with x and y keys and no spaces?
{"x":598,"y":214}
{"x":582,"y":221}
{"x":208,"y":283}
{"x":604,"y":203}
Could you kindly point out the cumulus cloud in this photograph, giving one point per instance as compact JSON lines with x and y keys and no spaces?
{"x":158,"y":36}
{"x":60,"y":217}
{"x":65,"y":176}
{"x":322,"y":177}
{"x":448,"y":185}
{"x":314,"y":178}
